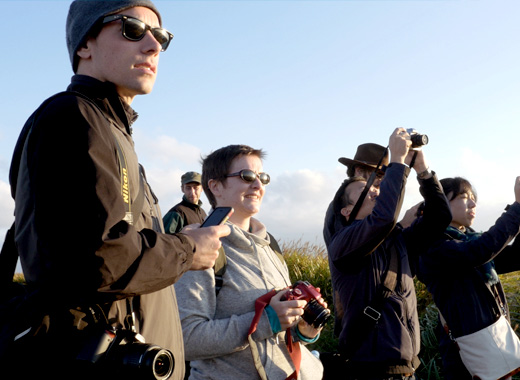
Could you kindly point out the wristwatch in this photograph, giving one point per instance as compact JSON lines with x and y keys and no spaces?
{"x":424,"y":174}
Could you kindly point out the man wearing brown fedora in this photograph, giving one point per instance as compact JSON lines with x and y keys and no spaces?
{"x":365,"y":161}
{"x":372,"y":260}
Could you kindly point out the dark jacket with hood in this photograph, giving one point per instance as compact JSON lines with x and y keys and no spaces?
{"x":73,"y":240}
{"x":359,"y":256}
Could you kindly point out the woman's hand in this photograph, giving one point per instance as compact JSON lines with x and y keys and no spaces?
{"x":308,"y":330}
{"x":288,"y":312}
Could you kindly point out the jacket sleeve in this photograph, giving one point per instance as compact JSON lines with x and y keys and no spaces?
{"x":435,"y":219}
{"x":172,"y":222}
{"x":354,"y":242}
{"x":69,"y":213}
{"x":509,"y":259}
{"x":473,"y":253}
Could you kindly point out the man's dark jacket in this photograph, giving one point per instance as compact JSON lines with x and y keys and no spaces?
{"x":71,"y":234}
{"x":359,"y":258}
{"x":182,"y":214}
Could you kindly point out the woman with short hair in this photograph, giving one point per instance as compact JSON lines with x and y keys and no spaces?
{"x":216,"y":326}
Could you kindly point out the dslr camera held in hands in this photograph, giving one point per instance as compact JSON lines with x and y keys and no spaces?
{"x":418,"y":140}
{"x":314,"y":313}
{"x":124,"y":353}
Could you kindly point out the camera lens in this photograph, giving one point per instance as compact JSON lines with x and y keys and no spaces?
{"x":315,"y":314}
{"x":144,"y":361}
{"x":419,"y":140}
{"x":163,"y":364}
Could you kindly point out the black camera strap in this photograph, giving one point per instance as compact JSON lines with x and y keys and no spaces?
{"x":137,"y":204}
{"x":369,"y":184}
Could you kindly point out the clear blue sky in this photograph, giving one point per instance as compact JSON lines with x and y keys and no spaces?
{"x":307,"y":81}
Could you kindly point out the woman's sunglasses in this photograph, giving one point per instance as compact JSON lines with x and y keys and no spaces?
{"x":134,"y":30}
{"x":250,"y":176}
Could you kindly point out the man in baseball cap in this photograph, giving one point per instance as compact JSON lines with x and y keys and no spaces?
{"x":189,"y":210}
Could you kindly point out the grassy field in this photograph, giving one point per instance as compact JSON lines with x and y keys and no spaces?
{"x":309,"y":262}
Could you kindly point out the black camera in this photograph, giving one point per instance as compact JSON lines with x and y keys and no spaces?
{"x":124,"y":353}
{"x":418,"y":140}
{"x":313,"y":313}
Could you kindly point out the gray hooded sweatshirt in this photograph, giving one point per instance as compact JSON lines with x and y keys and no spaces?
{"x":215,"y":327}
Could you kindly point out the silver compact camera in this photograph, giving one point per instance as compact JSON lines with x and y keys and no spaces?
{"x":418,"y":139}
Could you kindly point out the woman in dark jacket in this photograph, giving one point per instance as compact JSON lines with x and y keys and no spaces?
{"x":461,"y":271}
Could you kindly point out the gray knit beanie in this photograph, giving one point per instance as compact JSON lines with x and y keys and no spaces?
{"x":83,"y":15}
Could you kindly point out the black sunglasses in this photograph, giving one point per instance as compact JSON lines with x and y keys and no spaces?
{"x":250,"y":176}
{"x":134,"y":30}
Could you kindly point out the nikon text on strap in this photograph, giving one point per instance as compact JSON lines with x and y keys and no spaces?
{"x":130,"y":206}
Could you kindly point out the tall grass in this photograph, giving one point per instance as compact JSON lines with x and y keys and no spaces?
{"x":309,"y":262}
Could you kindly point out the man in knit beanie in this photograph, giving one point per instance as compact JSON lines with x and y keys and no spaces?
{"x":89,"y":232}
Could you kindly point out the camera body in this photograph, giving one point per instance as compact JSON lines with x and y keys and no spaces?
{"x":417,"y":139}
{"x":313,"y":313}
{"x":124,"y":353}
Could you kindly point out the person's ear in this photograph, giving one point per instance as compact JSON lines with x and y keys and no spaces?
{"x":85,"y":51}
{"x":216,"y":187}
{"x":345,"y":211}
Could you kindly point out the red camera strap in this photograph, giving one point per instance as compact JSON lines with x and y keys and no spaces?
{"x":294,"y":348}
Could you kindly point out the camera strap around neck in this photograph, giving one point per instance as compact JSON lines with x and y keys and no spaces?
{"x":294,"y":347}
{"x":363,"y":195}
{"x":370,"y":182}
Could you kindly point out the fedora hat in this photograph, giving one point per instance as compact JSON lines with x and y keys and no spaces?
{"x":368,"y":154}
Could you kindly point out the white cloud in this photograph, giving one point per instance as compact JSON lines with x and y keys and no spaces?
{"x":6,"y":206}
{"x":165,"y":150}
{"x":295,"y":203}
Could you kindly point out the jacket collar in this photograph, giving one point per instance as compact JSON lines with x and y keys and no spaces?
{"x":186,"y":202}
{"x":104,"y":94}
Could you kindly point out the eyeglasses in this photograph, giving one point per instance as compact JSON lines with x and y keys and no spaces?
{"x":134,"y":30}
{"x":250,"y":176}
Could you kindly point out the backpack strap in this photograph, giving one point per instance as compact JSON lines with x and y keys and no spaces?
{"x":219,"y":269}
{"x":276,"y":247}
